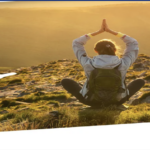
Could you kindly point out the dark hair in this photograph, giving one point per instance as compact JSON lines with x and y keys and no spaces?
{"x":105,"y":47}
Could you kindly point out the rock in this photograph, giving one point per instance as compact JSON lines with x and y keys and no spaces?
{"x":23,"y":93}
{"x":15,"y":94}
{"x":73,"y":99}
{"x":53,"y":62}
{"x":4,"y":112}
{"x":135,"y":102}
{"x":146,"y":63}
{"x":146,"y":89}
{"x":11,"y":88}
{"x":2,"y":96}
{"x":38,"y":89}
{"x":10,"y":97}
{"x":26,"y":108}
{"x":142,"y":74}
{"x":46,"y":75}
{"x":134,"y":97}
{"x":62,"y":104}
{"x":143,"y":56}
{"x":4,"y":121}
{"x":62,"y":60}
{"x":76,"y":104}
{"x":3,"y":88}
{"x":48,"y":70}
{"x":57,"y":83}
{"x":55,"y":78}
{"x":146,"y":100}
{"x":123,"y":107}
{"x":138,"y":65}
{"x":54,"y":113}
{"x":41,"y":66}
{"x":86,"y":107}
{"x":22,"y":102}
{"x":130,"y":71}
{"x":31,"y":82}
{"x":40,"y":93}
{"x":51,"y":105}
{"x":36,"y":72}
{"x":34,"y":67}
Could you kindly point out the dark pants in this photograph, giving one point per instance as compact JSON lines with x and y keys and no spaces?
{"x":74,"y":88}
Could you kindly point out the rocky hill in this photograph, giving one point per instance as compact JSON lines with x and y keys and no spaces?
{"x":35,"y":99}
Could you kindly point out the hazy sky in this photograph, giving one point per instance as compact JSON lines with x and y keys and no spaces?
{"x":43,"y":31}
{"x":37,"y":4}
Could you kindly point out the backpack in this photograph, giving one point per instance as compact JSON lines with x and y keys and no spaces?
{"x":103,"y":86}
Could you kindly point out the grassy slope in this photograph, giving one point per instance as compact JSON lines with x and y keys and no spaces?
{"x":31,"y":111}
{"x":32,"y":36}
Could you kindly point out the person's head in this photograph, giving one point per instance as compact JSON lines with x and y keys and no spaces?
{"x":106,"y":47}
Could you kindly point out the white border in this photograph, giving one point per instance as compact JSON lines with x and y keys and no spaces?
{"x":108,"y":137}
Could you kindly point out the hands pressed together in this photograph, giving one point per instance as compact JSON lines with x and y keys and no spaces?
{"x":104,"y":26}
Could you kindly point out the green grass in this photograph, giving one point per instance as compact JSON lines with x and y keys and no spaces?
{"x":73,"y":117}
{"x":33,"y":98}
{"x":7,"y":116}
{"x":140,"y":113}
{"x":11,"y":81}
{"x":38,"y":117}
{"x":17,"y":117}
{"x":28,"y":115}
{"x":97,"y":117}
{"x":131,"y":77}
{"x":8,"y":103}
{"x":72,"y":72}
{"x":15,"y":81}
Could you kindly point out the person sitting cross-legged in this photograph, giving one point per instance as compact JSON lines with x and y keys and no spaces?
{"x":105,"y":72}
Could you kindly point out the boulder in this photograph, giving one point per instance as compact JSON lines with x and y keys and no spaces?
{"x":3,"y":88}
{"x":31,"y":82}
{"x":39,"y":93}
{"x":26,"y":108}
{"x":142,"y":74}
{"x":76,"y":104}
{"x":135,"y":102}
{"x":62,"y":60}
{"x":138,"y":65}
{"x":146,"y":100}
{"x":34,"y":67}
{"x":4,"y":112}
{"x":146,"y":63}
{"x":54,"y":113}
{"x":38,"y":89}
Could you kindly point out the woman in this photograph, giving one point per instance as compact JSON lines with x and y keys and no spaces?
{"x":105,"y":59}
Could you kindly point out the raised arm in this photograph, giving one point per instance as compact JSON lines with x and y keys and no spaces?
{"x":78,"y":45}
{"x":132,"y":49}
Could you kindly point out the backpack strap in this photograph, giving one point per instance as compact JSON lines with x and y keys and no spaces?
{"x":127,"y":96}
{"x":88,"y":81}
{"x":117,"y":67}
{"x":92,"y":65}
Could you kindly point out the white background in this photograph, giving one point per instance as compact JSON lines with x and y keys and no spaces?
{"x":108,"y":137}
